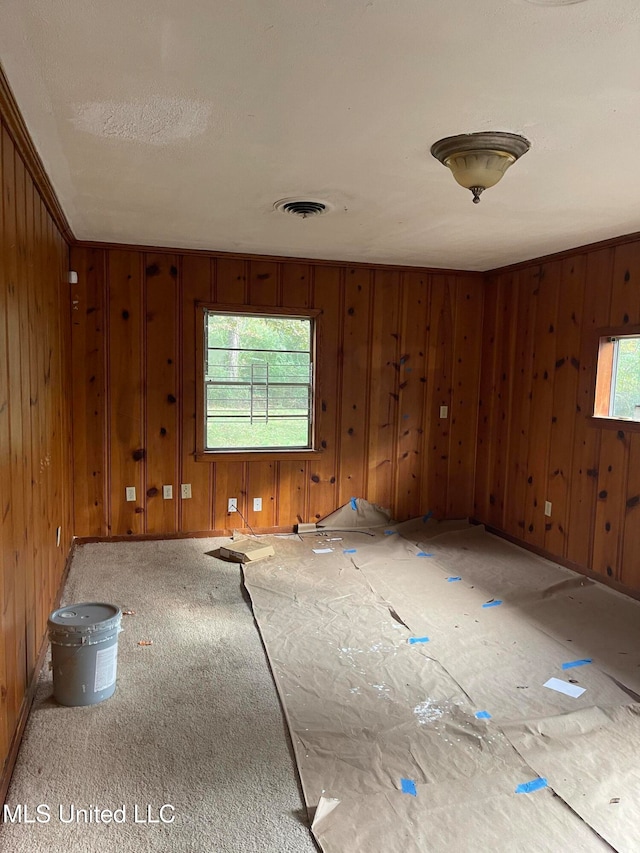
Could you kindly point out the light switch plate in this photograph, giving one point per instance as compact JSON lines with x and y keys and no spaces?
{"x":130,"y":492}
{"x":167,"y":492}
{"x":547,"y":508}
{"x":444,"y":411}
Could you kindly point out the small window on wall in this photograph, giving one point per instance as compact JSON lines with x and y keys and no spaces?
{"x":258,"y":389}
{"x":618,"y":378}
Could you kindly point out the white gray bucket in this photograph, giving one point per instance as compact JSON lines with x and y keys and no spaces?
{"x":84,"y":652}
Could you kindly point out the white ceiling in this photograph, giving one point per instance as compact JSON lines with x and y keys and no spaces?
{"x":180,"y":122}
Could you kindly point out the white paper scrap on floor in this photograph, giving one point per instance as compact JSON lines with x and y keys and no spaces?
{"x":412,"y":663}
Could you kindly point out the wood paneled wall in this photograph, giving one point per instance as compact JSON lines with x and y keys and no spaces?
{"x":536,"y":439}
{"x":35,"y":433}
{"x":394,"y":345}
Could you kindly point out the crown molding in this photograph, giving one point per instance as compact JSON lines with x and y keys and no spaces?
{"x":15,"y":124}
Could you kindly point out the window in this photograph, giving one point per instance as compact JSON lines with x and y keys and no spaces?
{"x":618,"y":378}
{"x":257,"y":381}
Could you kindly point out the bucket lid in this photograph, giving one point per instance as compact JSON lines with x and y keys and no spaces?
{"x":85,"y":618}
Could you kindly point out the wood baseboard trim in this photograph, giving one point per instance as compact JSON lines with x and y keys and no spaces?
{"x":30,"y":693}
{"x":15,"y":124}
{"x":561,"y":561}
{"x":198,"y":534}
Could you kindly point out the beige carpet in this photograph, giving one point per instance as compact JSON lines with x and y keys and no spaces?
{"x":195,"y":721}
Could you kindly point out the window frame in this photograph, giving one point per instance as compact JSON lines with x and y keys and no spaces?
{"x":247,"y":455}
{"x":600,"y":401}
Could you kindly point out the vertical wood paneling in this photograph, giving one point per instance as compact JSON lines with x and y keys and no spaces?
{"x":544,"y":337}
{"x":610,"y":505}
{"x":382,"y":346}
{"x":506,"y":341}
{"x":630,"y":564}
{"x":354,"y":405}
{"x":264,"y":283}
{"x":625,"y":285}
{"x":488,"y":399}
{"x":557,"y":451}
{"x":520,"y":409}
{"x":565,"y":391}
{"x":411,"y":370}
{"x":35,"y":481}
{"x":196,"y":286}
{"x":464,"y":396}
{"x":230,"y":282}
{"x":161,"y":393}
{"x":126,"y":400}
{"x":229,"y":482}
{"x":439,"y":393}
{"x":384,"y":397}
{"x":586,"y":443}
{"x":296,"y":280}
{"x":87,"y":345}
{"x":327,"y":295}
{"x":14,"y":613}
{"x":7,"y":665}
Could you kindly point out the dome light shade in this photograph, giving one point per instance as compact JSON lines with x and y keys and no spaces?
{"x":479,"y":160}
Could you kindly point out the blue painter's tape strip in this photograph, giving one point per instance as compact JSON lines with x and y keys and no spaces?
{"x":451,"y":580}
{"x":409,"y":787}
{"x":423,"y":554}
{"x":413,"y":640}
{"x":426,"y":517}
{"x":570,"y":664}
{"x":530,"y":787}
{"x":349,"y":551}
{"x":354,"y":505}
{"x":483,"y":715}
{"x":390,"y":532}
{"x":496,"y":603}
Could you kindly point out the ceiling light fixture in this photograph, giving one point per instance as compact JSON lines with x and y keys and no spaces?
{"x":479,"y":160}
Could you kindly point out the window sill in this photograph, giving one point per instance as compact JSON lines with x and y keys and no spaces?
{"x":257,"y":455}
{"x":614,"y":423}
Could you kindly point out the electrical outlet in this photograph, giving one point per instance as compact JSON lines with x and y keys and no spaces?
{"x":185,"y":490}
{"x":167,"y":493}
{"x":257,"y":504}
{"x":130,"y":492}
{"x":58,"y":535}
{"x":444,"y":411}
{"x":547,"y":508}
{"x":232,"y":505}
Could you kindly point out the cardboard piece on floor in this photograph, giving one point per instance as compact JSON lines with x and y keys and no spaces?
{"x":246,"y":551}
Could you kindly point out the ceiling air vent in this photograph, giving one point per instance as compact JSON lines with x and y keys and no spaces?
{"x":301,"y":207}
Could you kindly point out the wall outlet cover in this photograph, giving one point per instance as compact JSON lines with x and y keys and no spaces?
{"x":232,"y":505}
{"x":257,"y":504}
{"x":185,"y":490}
{"x":167,"y":492}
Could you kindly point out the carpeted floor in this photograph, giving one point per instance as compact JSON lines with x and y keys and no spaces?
{"x":195,"y":721}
